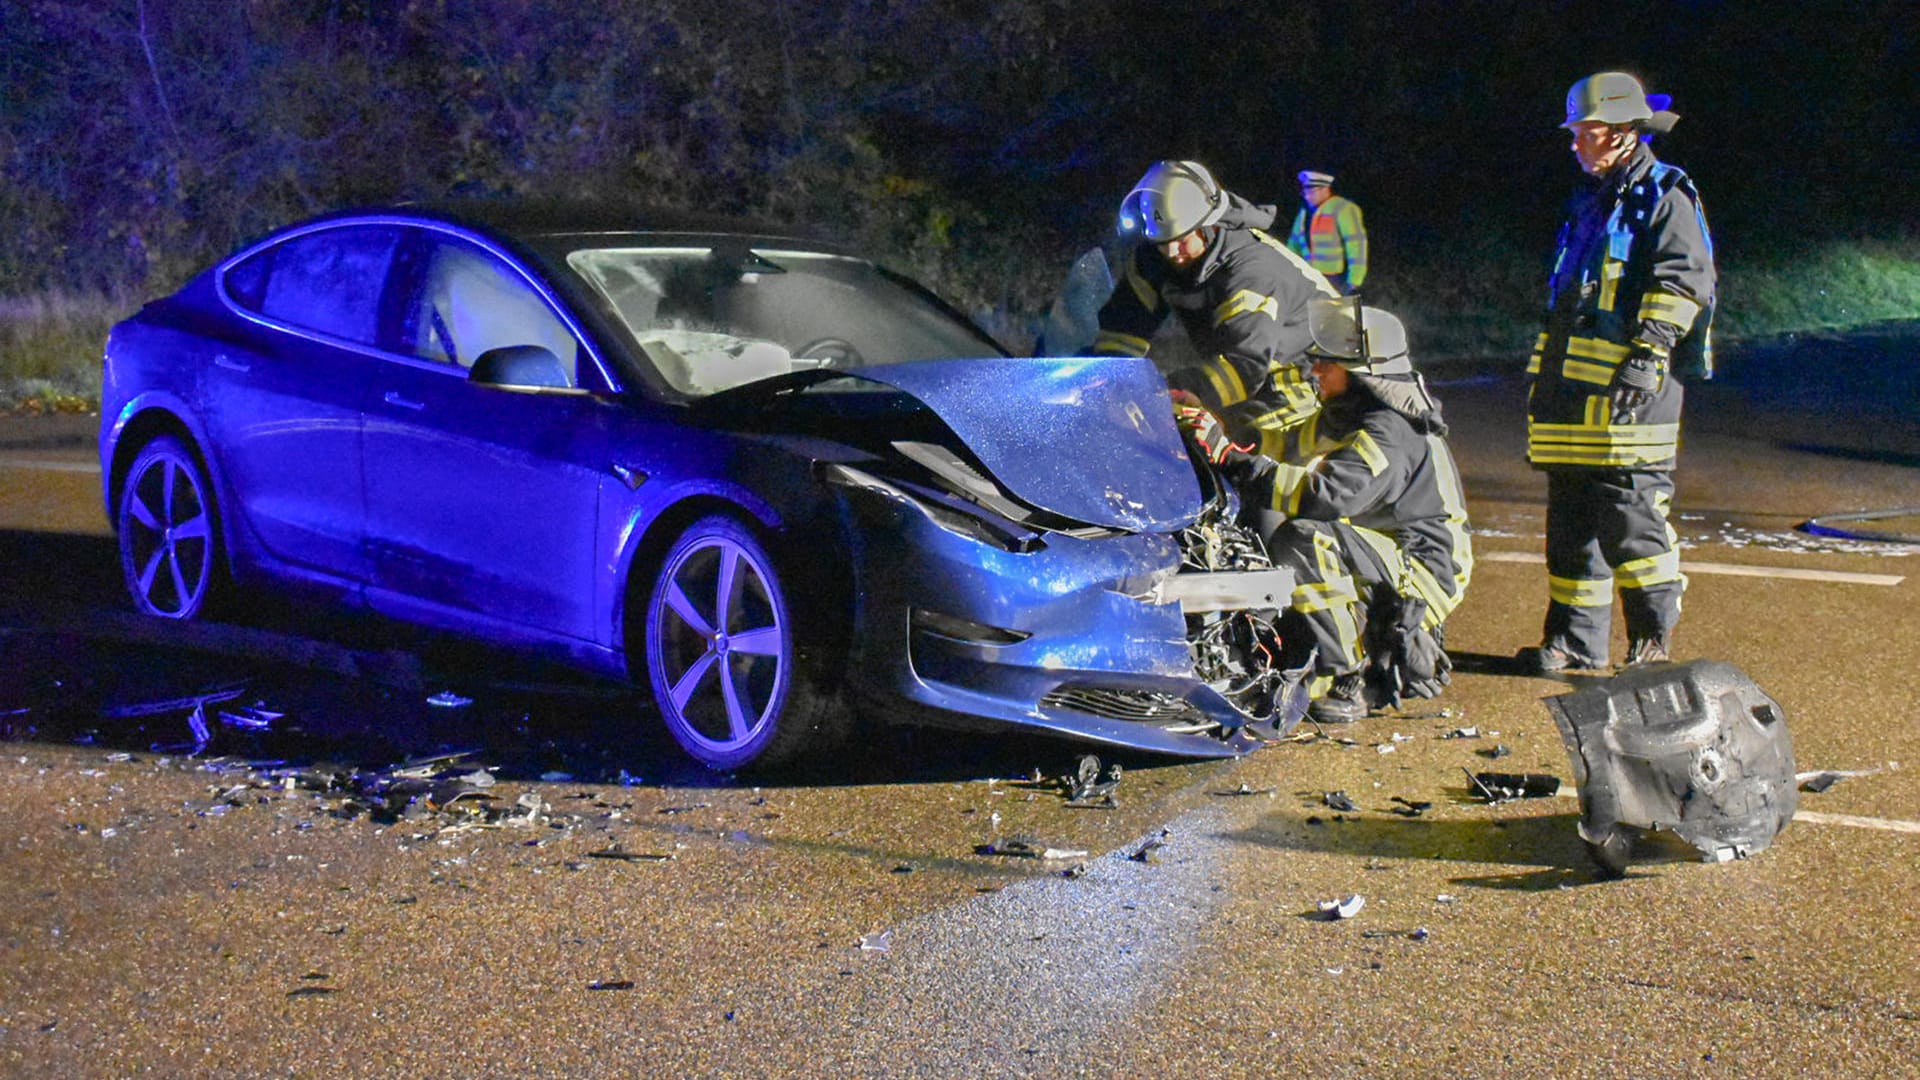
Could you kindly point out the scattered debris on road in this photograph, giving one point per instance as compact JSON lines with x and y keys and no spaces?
{"x":1821,"y":779}
{"x":1026,"y":847}
{"x":1335,"y":910}
{"x":1500,"y":787}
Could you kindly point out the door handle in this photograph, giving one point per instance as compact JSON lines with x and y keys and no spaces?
{"x":228,"y":362}
{"x":395,"y":397}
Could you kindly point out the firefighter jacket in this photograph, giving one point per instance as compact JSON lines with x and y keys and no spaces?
{"x":1388,"y":471}
{"x":1333,"y":238}
{"x":1244,"y":307}
{"x":1633,"y":273}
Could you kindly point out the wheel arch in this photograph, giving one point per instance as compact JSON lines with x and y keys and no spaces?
{"x":819,"y":580}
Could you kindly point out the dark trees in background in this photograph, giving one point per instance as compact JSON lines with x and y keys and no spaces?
{"x":140,"y":138}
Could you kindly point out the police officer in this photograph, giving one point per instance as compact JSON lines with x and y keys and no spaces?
{"x":1366,"y":508}
{"x":1202,"y":255}
{"x":1330,"y":232}
{"x":1630,"y":305}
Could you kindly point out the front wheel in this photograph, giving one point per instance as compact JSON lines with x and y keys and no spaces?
{"x":723,"y":651}
{"x":170,"y":547}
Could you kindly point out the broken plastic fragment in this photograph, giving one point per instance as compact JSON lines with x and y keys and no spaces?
{"x":1028,"y":848}
{"x":1462,"y":733}
{"x":1696,"y":748}
{"x":1499,"y":787}
{"x":447,"y":699}
{"x":251,"y":718}
{"x":1247,"y":789}
{"x":878,"y":941}
{"x":1343,"y":909}
{"x":1822,"y":779}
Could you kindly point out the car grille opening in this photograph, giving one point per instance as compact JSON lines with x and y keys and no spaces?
{"x":1134,"y":706}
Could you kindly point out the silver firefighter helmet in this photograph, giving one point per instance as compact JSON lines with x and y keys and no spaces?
{"x":1361,"y":339}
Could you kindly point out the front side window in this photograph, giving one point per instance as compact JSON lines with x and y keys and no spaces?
{"x":469,"y":301}
{"x":327,"y":281}
{"x":708,"y":319}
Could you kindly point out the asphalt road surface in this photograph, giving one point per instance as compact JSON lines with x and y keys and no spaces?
{"x":203,"y":869}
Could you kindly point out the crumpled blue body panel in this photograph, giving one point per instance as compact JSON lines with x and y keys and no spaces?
{"x":1091,"y":439}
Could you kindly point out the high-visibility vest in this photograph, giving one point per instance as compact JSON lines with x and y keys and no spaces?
{"x":1333,"y":239}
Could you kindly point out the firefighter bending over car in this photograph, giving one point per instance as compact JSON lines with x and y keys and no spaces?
{"x":1364,"y":505}
{"x":1204,"y":256}
{"x":1630,"y":303}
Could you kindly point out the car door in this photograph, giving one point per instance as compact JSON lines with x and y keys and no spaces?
{"x":480,"y":498}
{"x":282,"y":399}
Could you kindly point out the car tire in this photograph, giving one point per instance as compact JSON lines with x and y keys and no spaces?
{"x":171,"y":554}
{"x":728,"y":657}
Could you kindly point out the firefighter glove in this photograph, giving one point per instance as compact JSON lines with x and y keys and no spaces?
{"x":1637,"y":379}
{"x":1206,"y":430}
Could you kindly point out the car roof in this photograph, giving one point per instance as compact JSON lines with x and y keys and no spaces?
{"x":532,"y":221}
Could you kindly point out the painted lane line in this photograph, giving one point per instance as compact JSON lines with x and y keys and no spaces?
{"x":1814,"y":817}
{"x":49,"y":466}
{"x":1795,"y":573}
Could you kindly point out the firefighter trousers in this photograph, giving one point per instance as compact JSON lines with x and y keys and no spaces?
{"x":1605,"y":528}
{"x":1340,"y":570}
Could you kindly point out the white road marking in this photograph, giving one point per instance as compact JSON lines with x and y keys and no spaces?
{"x":1795,"y":573}
{"x":1814,"y":817}
{"x":46,"y":465}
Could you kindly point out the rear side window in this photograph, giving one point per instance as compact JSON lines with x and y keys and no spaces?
{"x":328,"y":281}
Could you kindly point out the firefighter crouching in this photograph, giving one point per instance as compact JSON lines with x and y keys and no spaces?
{"x":1364,"y":505}
{"x":1203,"y":256}
{"x":1630,"y":306}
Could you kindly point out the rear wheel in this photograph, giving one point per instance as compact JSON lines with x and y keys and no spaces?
{"x":170,"y":548}
{"x":724,"y":652}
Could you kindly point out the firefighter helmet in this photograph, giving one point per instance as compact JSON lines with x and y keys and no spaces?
{"x":1610,"y":97}
{"x":1365,"y":340}
{"x":1172,"y":200}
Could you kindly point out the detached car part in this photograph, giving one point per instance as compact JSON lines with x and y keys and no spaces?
{"x":1695,"y":748}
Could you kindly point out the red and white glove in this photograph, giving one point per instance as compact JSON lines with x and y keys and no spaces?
{"x":1206,"y":429}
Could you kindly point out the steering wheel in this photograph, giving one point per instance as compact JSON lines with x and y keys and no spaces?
{"x":832,"y":352}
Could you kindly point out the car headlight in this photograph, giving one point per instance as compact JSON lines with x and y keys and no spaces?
{"x":976,"y":525}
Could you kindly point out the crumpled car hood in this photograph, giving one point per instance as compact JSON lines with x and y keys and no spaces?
{"x":1091,"y":439}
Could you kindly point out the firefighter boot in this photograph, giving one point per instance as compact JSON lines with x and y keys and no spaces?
{"x":1344,"y":703}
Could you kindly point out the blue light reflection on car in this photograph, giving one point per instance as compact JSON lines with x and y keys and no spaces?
{"x":761,"y":476}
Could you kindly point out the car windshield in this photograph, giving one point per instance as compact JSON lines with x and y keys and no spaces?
{"x":709,"y":319}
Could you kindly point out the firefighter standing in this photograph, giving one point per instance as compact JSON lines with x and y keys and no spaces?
{"x":1630,"y":306}
{"x":1366,"y":509}
{"x":1203,"y":256}
{"x":1330,"y":232}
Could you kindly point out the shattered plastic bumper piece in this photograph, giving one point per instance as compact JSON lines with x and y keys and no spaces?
{"x":1695,"y":748}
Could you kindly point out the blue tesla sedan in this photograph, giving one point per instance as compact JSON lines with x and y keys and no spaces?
{"x":765,"y":478}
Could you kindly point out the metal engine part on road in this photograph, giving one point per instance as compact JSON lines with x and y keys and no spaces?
{"x":1696,"y":748}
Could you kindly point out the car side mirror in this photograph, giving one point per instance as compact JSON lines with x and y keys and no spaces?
{"x":519,"y":365}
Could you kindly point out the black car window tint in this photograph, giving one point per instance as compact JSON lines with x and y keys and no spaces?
{"x":470,"y":302}
{"x":328,"y":281}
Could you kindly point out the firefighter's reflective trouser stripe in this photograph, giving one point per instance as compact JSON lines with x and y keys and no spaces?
{"x":1605,"y":529}
{"x":1595,"y":439}
{"x":1336,"y":566}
